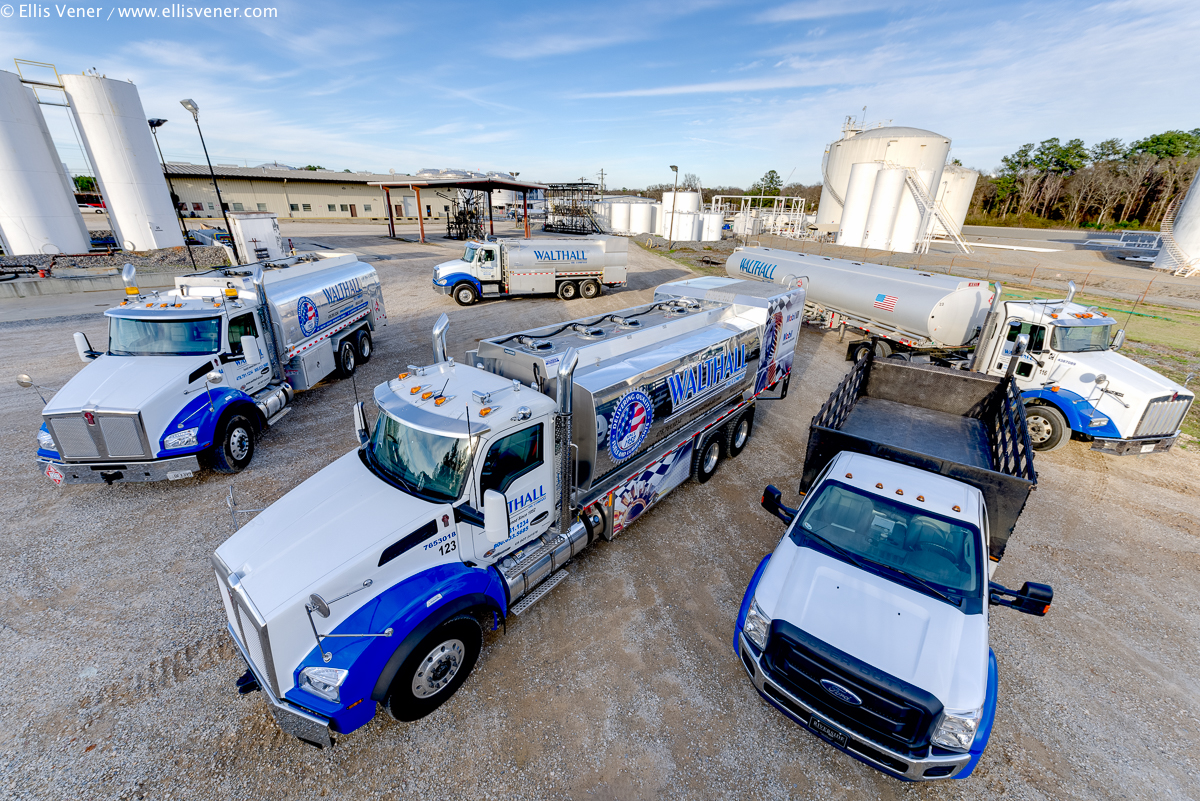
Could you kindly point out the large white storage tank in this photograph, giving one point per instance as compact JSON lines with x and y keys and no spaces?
{"x":907,"y":230}
{"x":885,"y":206}
{"x":954,"y":195}
{"x":1185,"y":232}
{"x":914,"y":148}
{"x":619,"y":217}
{"x":859,"y":187}
{"x":117,"y":139}
{"x":38,"y":213}
{"x":641,"y":218}
{"x":682,"y":201}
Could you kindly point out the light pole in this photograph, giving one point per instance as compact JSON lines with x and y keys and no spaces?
{"x":674,"y":200}
{"x":191,"y":106}
{"x":155,"y":124}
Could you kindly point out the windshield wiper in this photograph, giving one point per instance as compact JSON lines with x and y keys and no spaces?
{"x":859,"y":559}
{"x":925,"y":584}
{"x":839,"y":550}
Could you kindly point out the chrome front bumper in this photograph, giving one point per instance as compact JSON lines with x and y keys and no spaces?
{"x":300,"y":723}
{"x":1134,"y":447}
{"x":445,"y":290}
{"x":123,"y":472}
{"x":857,"y":746}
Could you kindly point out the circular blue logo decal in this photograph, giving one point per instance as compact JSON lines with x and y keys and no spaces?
{"x":631,"y":421}
{"x":306,"y":311}
{"x":841,"y":693}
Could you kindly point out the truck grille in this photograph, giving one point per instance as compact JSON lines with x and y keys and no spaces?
{"x":893,"y":713}
{"x":1163,"y":416}
{"x":256,"y":639}
{"x":109,"y":437}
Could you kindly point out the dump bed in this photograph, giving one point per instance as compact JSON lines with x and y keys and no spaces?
{"x":963,"y":425}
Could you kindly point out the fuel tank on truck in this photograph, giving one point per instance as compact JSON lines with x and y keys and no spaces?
{"x":656,"y":367}
{"x":568,"y":255}
{"x":942,"y":309}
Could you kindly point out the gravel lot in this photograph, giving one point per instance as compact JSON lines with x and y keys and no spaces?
{"x":622,"y":682}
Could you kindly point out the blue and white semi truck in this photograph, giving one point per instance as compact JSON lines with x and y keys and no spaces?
{"x":371,"y":582}
{"x":191,"y":377}
{"x":868,"y":624}
{"x":1072,"y":379}
{"x":569,"y":268}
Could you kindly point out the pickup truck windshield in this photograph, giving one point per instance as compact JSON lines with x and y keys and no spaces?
{"x":1080,"y":338}
{"x":433,"y":466}
{"x":942,"y":552}
{"x":469,"y":254}
{"x":129,"y":337}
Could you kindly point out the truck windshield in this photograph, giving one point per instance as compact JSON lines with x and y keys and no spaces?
{"x":931,"y":548}
{"x":1080,"y":338}
{"x":433,"y":466}
{"x":130,"y":337}
{"x":469,"y":254}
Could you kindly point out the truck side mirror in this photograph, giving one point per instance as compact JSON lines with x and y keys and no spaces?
{"x":83,"y":347}
{"x":250,"y":350}
{"x":495,"y":516}
{"x":772,"y":501}
{"x":1032,"y":599}
{"x":1118,"y":339}
{"x":1018,"y":350}
{"x":360,"y":425}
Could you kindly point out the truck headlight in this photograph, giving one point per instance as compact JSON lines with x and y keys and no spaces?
{"x":1096,"y":422}
{"x":181,"y":439}
{"x":956,"y":730}
{"x":325,"y":682}
{"x":757,"y":625}
{"x":45,"y":441}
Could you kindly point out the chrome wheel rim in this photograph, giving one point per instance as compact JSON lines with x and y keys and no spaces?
{"x":239,"y":444}
{"x":348,"y":361}
{"x":743,"y":431}
{"x":438,"y":668}
{"x":710,"y":457}
{"x":1039,"y":429}
{"x":365,"y":346}
{"x":464,"y":296}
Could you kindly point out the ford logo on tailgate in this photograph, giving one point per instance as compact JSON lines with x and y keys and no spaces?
{"x":841,"y":693}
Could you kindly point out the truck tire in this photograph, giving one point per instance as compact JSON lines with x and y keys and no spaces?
{"x":883,"y":349}
{"x":707,"y":457}
{"x":568,"y":291}
{"x":739,"y":433}
{"x":364,"y":346}
{"x":858,"y":351}
{"x":1048,"y":428}
{"x":465,"y":294}
{"x":234,"y":447}
{"x":589,"y":289}
{"x":436,"y":669}
{"x":347,"y":359}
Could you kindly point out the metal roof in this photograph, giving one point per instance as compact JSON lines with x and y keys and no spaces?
{"x":175,"y":169}
{"x":481,"y":184}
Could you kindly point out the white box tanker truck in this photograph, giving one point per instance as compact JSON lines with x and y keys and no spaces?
{"x":190,"y":377}
{"x":1072,"y":378}
{"x":370,"y":582}
{"x":569,"y":268}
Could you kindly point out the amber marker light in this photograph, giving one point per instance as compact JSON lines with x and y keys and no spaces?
{"x":439,"y":401}
{"x":402,"y":376}
{"x":427,"y":395}
{"x":899,"y":492}
{"x":879,"y":486}
{"x":849,"y":475}
{"x":485,"y":411}
{"x":921,"y":498}
{"x":956,"y":508}
{"x":414,"y":390}
{"x":230,"y":292}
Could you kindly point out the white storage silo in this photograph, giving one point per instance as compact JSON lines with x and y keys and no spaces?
{"x":619,"y":217}
{"x":914,"y":148}
{"x":660,"y":220}
{"x":860,"y":186}
{"x":641,"y":218}
{"x":714,"y":222}
{"x":112,"y":122}
{"x":38,"y":213}
{"x":954,"y":195}
{"x":906,"y":233}
{"x":885,"y":206}
{"x":681,"y":201}
{"x":1185,"y":231}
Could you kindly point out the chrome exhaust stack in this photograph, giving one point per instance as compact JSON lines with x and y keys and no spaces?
{"x":439,"y":338}
{"x":562,"y":436}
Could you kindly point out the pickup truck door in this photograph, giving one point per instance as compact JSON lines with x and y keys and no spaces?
{"x":248,"y":378}
{"x":517,"y":465}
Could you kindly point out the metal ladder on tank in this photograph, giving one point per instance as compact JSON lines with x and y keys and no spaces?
{"x":930,"y":211}
{"x":1185,"y":267}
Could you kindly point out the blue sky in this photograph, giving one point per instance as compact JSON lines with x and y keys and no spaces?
{"x":558,"y":91}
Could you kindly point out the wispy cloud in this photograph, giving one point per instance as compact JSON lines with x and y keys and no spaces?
{"x":815,"y":9}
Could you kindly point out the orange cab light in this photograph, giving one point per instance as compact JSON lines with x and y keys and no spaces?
{"x":485,"y":411}
{"x":878,"y":486}
{"x":899,"y":492}
{"x":439,"y":401}
{"x":1055,"y":316}
{"x":162,"y":305}
{"x":414,"y":390}
{"x":179,"y":305}
{"x":427,"y":395}
{"x":402,"y":376}
{"x":230,"y":292}
{"x":956,"y":508}
{"x":1054,"y":388}
{"x":849,"y":475}
{"x":921,"y":498}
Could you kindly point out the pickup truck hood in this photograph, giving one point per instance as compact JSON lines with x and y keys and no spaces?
{"x":316,"y":530}
{"x":909,"y":635}
{"x":1137,"y":384}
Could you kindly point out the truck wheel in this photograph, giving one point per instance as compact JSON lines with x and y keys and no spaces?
{"x":708,"y":456}
{"x":436,"y":669}
{"x":860,"y":350}
{"x":1048,"y":428}
{"x":739,"y":433}
{"x":465,"y":295}
{"x":347,"y":359}
{"x":568,"y":291}
{"x":882,"y":349}
{"x":589,"y":289}
{"x":364,"y":346}
{"x":235,"y":446}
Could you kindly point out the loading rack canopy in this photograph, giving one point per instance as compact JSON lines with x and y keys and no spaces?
{"x":487,"y":185}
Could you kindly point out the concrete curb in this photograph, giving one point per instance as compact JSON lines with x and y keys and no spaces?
{"x":37,"y":287}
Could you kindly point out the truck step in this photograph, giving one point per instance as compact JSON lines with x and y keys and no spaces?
{"x":539,"y":592}
{"x":276,"y":417}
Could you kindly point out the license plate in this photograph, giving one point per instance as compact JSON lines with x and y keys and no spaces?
{"x":826,"y":730}
{"x":54,"y":474}
{"x":175,"y":475}
{"x":1148,"y":448}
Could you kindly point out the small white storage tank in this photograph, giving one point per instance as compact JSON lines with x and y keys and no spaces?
{"x":713,"y":223}
{"x":660,"y":220}
{"x":885,"y":205}
{"x":914,"y":148}
{"x":683,"y":201}
{"x":641,"y":218}
{"x":907,"y":230}
{"x":1185,"y":231}
{"x":619,"y":217}
{"x":860,"y":188}
{"x":686,"y":227}
{"x":112,"y":122}
{"x":38,"y":213}
{"x":954,"y":194}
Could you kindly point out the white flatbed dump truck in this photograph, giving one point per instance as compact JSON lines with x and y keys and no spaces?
{"x":1072,"y":379}
{"x":569,"y":268}
{"x":191,"y":377}
{"x":478,"y":483}
{"x":868,"y":624}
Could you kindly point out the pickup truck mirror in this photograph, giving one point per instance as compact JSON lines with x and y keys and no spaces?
{"x":250,"y":350}
{"x":1032,"y":598}
{"x":360,"y":424}
{"x":772,"y":501}
{"x":83,"y":347}
{"x":1118,"y":339}
{"x":495,"y":516}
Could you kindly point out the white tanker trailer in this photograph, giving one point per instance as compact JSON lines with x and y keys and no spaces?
{"x":1072,"y":379}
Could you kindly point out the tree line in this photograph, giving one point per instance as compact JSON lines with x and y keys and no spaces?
{"x":770,"y":184}
{"x":1109,"y":184}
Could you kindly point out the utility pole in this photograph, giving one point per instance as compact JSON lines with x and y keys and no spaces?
{"x":155,"y":124}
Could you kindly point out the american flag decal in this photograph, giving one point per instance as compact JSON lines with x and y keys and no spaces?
{"x":885,"y":302}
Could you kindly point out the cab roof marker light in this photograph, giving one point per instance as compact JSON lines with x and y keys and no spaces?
{"x":415,"y":390}
{"x":956,"y":508}
{"x":402,"y":376}
{"x":921,"y":498}
{"x":849,"y":475}
{"x":427,"y":395}
{"x":879,"y":486}
{"x":899,"y":492}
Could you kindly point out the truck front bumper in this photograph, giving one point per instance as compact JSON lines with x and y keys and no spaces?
{"x":300,"y":723}
{"x":1126,"y":447}
{"x":445,"y":290}
{"x":120,"y":472}
{"x":878,"y":756}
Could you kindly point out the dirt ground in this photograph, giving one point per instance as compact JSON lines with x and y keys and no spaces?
{"x":622,"y":682}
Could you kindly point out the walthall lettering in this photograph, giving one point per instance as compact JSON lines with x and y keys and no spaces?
{"x":759,"y":268}
{"x":522,"y":501}
{"x":343,"y":290}
{"x":706,"y":375}
{"x":560,"y":255}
